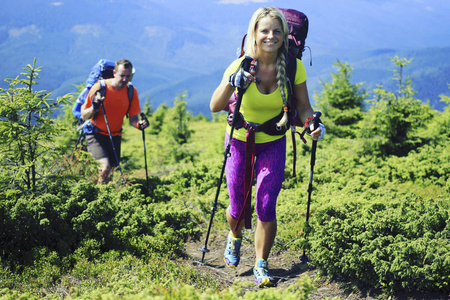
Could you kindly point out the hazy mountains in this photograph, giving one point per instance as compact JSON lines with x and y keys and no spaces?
{"x":179,"y":45}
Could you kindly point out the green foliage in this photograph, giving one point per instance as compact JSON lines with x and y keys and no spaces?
{"x":27,"y":131}
{"x":147,"y":108}
{"x":82,"y":213}
{"x":390,"y":127}
{"x":166,"y":139}
{"x":440,"y":125}
{"x":395,"y":245}
{"x":427,"y":166}
{"x":177,"y":120}
{"x":200,"y":178}
{"x":66,"y":118}
{"x":116,"y":276}
{"x":379,"y":220}
{"x":201,"y":117}
{"x":112,"y":274}
{"x":157,"y":120}
{"x":341,"y":102}
{"x":176,"y":131}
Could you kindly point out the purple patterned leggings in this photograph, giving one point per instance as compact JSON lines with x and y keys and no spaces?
{"x":269,"y":170}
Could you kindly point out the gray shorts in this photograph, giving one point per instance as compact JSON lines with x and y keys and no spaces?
{"x":99,"y":145}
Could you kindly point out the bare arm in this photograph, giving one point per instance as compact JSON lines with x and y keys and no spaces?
{"x":134,"y":120}
{"x":88,"y":113}
{"x":304,"y":107}
{"x":221,"y":95}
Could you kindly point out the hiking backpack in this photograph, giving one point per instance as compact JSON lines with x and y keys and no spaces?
{"x":102,"y":70}
{"x":298,"y":31}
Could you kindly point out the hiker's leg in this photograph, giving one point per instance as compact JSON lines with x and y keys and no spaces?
{"x":104,"y":171}
{"x":269,"y":169}
{"x":110,"y":150}
{"x":265,"y":233}
{"x":104,"y":164}
{"x":232,"y":223}
{"x":235,"y":172}
{"x":114,"y":165}
{"x":97,"y":145}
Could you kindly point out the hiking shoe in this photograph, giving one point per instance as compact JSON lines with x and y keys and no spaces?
{"x":261,"y":272}
{"x":233,"y":251}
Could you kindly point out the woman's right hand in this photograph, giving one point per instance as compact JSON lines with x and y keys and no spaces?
{"x":221,"y":96}
{"x":241,"y":79}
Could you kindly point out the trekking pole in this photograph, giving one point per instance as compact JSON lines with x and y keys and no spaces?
{"x":316,"y":115}
{"x":112,"y":142}
{"x":246,"y":64}
{"x":226,"y":155}
{"x":145,"y":151}
{"x":79,"y":140}
{"x":80,"y":129}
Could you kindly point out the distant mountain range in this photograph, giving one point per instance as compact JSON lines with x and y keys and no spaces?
{"x":179,"y":46}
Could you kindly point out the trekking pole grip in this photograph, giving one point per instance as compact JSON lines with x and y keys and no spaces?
{"x":316,"y":121}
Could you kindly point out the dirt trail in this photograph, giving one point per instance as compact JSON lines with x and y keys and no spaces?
{"x":285,"y":268}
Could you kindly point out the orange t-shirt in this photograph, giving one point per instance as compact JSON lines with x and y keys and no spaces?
{"x":116,"y":106}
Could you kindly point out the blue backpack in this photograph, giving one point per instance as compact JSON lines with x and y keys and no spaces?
{"x":102,"y":70}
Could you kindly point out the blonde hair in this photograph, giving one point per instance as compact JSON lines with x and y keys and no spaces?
{"x":250,"y":50}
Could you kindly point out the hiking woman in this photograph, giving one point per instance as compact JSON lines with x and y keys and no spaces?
{"x":265,"y":98}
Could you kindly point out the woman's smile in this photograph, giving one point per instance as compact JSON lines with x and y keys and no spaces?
{"x":268,"y":34}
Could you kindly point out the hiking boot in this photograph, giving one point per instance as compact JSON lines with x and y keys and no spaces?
{"x":233,"y":251}
{"x":261,"y":272}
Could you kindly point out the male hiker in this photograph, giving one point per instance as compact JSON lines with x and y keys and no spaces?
{"x":107,"y":113}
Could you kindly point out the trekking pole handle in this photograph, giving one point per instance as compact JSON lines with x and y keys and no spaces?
{"x":139,"y":125}
{"x":316,"y":116}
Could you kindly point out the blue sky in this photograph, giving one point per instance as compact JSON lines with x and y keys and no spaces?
{"x":350,"y":23}
{"x":365,"y":23}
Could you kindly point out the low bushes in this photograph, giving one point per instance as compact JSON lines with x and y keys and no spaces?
{"x":84,"y":215}
{"x":397,"y":244}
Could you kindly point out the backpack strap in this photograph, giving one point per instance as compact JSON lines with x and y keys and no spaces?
{"x":102,"y":87}
{"x":102,"y":90}
{"x":269,"y":127}
{"x":291,"y":69}
{"x":130,"y":91}
{"x":130,"y":96}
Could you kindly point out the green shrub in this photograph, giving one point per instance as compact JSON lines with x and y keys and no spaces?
{"x":28,"y":132}
{"x":84,"y":214}
{"x":113,"y":274}
{"x":402,"y":244}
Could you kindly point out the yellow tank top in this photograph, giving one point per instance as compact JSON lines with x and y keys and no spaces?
{"x":259,"y":108}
